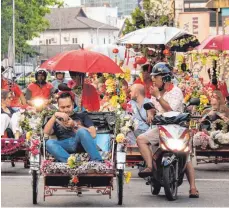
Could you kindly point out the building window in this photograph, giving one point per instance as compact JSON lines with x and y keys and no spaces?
{"x":109,"y":41}
{"x":104,"y":40}
{"x":74,"y":40}
{"x":91,"y":40}
{"x":48,"y":41}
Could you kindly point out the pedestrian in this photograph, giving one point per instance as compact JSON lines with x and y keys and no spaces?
{"x":139,"y":114}
{"x":146,"y":79}
{"x":18,"y":98}
{"x":59,"y":79}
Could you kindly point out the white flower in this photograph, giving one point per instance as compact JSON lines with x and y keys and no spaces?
{"x":119,"y":112}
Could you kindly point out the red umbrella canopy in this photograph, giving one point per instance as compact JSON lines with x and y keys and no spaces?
{"x":218,"y":42}
{"x":82,"y":61}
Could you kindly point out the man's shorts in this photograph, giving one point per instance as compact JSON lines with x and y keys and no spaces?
{"x":152,"y":135}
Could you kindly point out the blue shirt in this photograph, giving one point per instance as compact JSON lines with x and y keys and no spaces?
{"x":56,"y":82}
{"x":141,"y":124}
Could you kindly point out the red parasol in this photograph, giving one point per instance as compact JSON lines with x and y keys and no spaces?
{"x":82,"y":61}
{"x":218,"y":42}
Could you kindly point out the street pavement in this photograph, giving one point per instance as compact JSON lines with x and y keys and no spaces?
{"x":212,"y":181}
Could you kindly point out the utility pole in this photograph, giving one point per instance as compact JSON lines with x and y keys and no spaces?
{"x":13,"y":34}
{"x":60,"y":28}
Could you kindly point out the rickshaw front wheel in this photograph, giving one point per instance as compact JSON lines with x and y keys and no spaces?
{"x":120,"y":181}
{"x":35,"y":185}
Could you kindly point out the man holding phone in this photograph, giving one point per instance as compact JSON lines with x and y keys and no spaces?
{"x":71,"y":130}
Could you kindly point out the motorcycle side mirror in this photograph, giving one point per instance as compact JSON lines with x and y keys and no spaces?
{"x":64,"y":87}
{"x":148,"y":106}
{"x":194,"y":101}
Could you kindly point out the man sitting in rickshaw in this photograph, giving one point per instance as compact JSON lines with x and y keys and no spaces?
{"x":71,"y":129}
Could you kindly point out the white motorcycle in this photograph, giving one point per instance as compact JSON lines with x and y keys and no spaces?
{"x":169,"y":160}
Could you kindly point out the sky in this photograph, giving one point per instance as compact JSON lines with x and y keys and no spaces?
{"x":72,"y":3}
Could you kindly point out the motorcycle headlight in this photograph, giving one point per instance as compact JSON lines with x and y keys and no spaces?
{"x":175,"y":144}
{"x":38,"y":102}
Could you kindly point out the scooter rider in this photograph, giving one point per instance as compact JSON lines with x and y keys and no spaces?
{"x":39,"y":89}
{"x":60,"y":78}
{"x":165,"y":97}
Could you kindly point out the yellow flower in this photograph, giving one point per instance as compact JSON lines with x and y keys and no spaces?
{"x":117,"y":75}
{"x":204,"y":100}
{"x":120,"y":138}
{"x":106,"y":75}
{"x":127,"y":176}
{"x":110,"y":89}
{"x":187,"y":97}
{"x":71,"y":161}
{"x":28,"y":135}
{"x":109,"y":82}
{"x":114,"y":101}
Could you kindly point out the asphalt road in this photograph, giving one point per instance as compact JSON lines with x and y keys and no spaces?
{"x":212,"y":182}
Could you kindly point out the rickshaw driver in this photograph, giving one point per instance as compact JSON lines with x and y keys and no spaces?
{"x":71,"y":129}
{"x":165,"y":97}
{"x":39,"y":89}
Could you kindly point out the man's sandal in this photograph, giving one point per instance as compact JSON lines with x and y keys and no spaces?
{"x":193,"y":193}
{"x":145,"y":173}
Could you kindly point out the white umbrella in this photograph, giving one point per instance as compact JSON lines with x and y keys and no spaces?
{"x":153,"y":35}
{"x":107,"y":50}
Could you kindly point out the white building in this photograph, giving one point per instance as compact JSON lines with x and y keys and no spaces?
{"x":107,"y":15}
{"x":69,"y":28}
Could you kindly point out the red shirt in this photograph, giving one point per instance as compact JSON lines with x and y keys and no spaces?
{"x":146,"y":85}
{"x":16,"y":92}
{"x":221,"y":86}
{"x":90,"y":97}
{"x":40,"y":92}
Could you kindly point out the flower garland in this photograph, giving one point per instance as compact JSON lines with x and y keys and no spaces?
{"x":219,"y":125}
{"x":11,"y":146}
{"x":182,"y":42}
{"x":32,"y":121}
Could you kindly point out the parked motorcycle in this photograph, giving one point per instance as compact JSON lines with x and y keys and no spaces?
{"x":169,"y":160}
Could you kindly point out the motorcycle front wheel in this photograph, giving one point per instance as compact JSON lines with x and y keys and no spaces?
{"x":169,"y":181}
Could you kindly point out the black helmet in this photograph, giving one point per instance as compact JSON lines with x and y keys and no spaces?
{"x":162,"y":69}
{"x":42,"y":72}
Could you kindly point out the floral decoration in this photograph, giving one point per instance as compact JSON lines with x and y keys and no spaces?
{"x":11,"y":146}
{"x":127,"y":176}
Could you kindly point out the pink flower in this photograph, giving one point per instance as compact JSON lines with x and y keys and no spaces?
{"x":35,"y":152}
{"x":35,"y":142}
{"x":129,"y":108}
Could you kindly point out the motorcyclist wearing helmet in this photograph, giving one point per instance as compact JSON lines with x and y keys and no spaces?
{"x":39,"y":89}
{"x":59,"y":79}
{"x":165,"y":97}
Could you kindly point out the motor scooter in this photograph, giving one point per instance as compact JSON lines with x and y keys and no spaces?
{"x":170,"y":158}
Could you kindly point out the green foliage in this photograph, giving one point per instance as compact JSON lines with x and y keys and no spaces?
{"x":155,"y":13}
{"x":29,"y":22}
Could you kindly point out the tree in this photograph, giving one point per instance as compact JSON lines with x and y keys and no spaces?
{"x":154,"y":13}
{"x":29,"y":22}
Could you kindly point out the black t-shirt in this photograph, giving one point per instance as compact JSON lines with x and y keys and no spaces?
{"x":65,"y":133}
